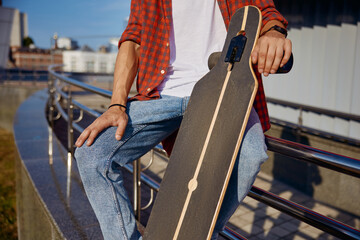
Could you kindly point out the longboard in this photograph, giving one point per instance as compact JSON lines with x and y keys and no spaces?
{"x":209,"y":139}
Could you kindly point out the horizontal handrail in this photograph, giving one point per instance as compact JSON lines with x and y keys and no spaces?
{"x":77,"y":104}
{"x":87,"y":87}
{"x":86,"y":109}
{"x":319,"y":157}
{"x":304,"y":214}
{"x":230,"y":234}
{"x":315,"y":132}
{"x":307,"y":108}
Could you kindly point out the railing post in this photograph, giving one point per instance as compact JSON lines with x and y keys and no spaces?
{"x":70,"y":109}
{"x":35,"y":77}
{"x":137,"y":188}
{"x":300,"y":119}
{"x":20,"y":77}
{"x":300,"y":123}
{"x":51,"y":90}
{"x":51,"y":109}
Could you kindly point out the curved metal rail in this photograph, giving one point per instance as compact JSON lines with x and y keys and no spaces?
{"x":346,"y":165}
{"x":307,"y":108}
{"x":339,"y":163}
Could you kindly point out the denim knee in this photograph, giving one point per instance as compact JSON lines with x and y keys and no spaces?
{"x":253,"y":154}
{"x":254,"y":150}
{"x":90,"y":162}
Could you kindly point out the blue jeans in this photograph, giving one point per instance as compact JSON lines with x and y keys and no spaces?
{"x":149,"y":123}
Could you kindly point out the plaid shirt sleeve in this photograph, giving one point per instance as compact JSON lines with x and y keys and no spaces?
{"x":267,"y":8}
{"x":269,"y":12}
{"x":133,"y":30}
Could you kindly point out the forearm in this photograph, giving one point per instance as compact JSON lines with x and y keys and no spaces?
{"x":126,"y":67}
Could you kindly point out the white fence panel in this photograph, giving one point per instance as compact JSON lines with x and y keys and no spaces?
{"x":326,"y":74}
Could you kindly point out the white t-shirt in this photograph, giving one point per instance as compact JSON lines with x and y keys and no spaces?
{"x":197,"y":30}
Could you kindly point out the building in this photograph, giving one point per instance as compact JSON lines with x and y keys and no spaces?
{"x":89,"y":61}
{"x":86,"y":61}
{"x":13,"y":29}
{"x":35,"y":58}
{"x":67,"y":43}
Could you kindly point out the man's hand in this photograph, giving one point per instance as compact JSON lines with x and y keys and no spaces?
{"x":272,"y":51}
{"x":113,"y":117}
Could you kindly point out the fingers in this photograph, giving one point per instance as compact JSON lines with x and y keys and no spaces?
{"x":287,"y":52}
{"x":82,"y":138}
{"x":111,"y":118}
{"x":269,"y":59}
{"x":276,"y":64}
{"x":92,"y":137}
{"x":270,"y":53}
{"x":120,"y":129}
{"x":89,"y":134}
{"x":262,"y":56}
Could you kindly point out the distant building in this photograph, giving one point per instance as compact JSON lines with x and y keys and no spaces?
{"x":67,"y":43}
{"x":35,"y":58}
{"x":89,"y":61}
{"x":13,"y":29}
{"x":86,"y":48}
{"x":86,"y":60}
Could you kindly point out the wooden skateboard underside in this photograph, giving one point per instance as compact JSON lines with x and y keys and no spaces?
{"x":206,"y":147}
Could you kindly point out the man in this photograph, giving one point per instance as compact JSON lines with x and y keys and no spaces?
{"x":167,"y":44}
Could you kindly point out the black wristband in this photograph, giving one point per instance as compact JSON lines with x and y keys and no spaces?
{"x":277,"y":28}
{"x":119,"y":105}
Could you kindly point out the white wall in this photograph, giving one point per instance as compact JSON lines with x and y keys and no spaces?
{"x":326,"y":74}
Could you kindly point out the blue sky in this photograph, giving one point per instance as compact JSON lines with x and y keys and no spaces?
{"x":87,"y":21}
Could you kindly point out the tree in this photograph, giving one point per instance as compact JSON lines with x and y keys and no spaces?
{"x":27,"y":41}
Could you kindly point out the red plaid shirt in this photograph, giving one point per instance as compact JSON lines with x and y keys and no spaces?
{"x":149,"y":25}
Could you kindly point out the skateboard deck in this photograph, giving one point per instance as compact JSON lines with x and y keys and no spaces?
{"x":209,"y":139}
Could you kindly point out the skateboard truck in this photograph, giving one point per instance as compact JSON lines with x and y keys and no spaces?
{"x":236,"y":48}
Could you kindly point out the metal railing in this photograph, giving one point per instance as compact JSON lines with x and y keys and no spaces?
{"x":307,"y":108}
{"x":302,"y":152}
{"x":23,"y":76}
{"x":320,"y":111}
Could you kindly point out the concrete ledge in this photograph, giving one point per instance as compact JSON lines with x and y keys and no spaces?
{"x":51,"y":202}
